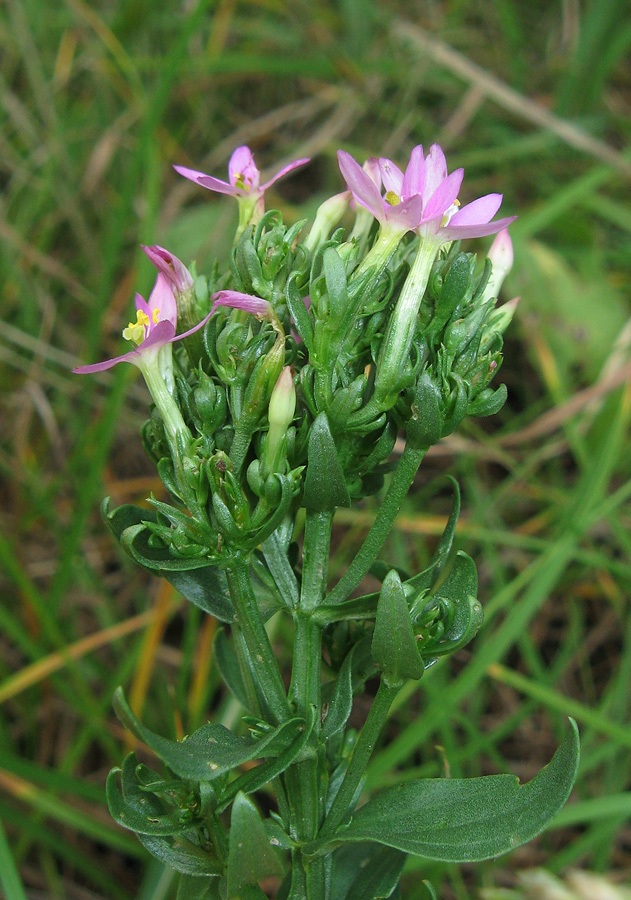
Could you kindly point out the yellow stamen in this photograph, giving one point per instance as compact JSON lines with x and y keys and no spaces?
{"x":156,"y":316}
{"x":135,"y":331}
{"x":239,"y":181}
{"x":392,"y":198}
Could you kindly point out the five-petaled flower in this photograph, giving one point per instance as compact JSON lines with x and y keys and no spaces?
{"x":244,"y":183}
{"x":424,"y":198}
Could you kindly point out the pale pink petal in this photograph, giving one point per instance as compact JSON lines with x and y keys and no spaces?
{"x":220,"y":187}
{"x":163,"y":333}
{"x":479,"y":212}
{"x":406,"y":214}
{"x":461,"y":232}
{"x":285,"y":170}
{"x":142,"y":305}
{"x":160,"y":334}
{"x":443,"y":196}
{"x":414,"y":178}
{"x":106,"y":364}
{"x":371,"y":168}
{"x":162,"y":299}
{"x":391,"y":175}
{"x":435,"y":171}
{"x":179,"y":337}
{"x":255,"y":305}
{"x":362,"y":186}
{"x":242,"y":164}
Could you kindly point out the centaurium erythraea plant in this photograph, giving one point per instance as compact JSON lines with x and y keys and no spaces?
{"x":312,"y":350}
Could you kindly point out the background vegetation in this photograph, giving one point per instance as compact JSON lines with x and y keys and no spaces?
{"x":98,"y":100}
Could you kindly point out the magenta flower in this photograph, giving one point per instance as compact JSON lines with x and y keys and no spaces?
{"x":423,"y":198}
{"x":154,"y":328}
{"x":173,"y":269}
{"x":244,"y":177}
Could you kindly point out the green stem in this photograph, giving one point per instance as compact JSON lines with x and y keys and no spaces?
{"x":256,"y":639}
{"x":360,"y":758}
{"x":397,"y":490}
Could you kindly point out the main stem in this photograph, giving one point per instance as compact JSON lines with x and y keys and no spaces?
{"x":395,"y":495}
{"x":304,"y":780}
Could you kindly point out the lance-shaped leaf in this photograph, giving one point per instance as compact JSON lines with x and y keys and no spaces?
{"x":251,"y":857}
{"x":325,"y":485}
{"x":394,"y":647}
{"x":339,"y":698}
{"x":228,"y":665}
{"x":365,"y":872}
{"x":464,"y":820}
{"x":192,"y":888}
{"x":335,"y":277}
{"x":182,"y":855}
{"x":211,"y":750}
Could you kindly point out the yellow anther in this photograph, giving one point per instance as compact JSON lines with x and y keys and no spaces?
{"x":239,"y":181}
{"x":392,"y":198}
{"x":156,"y":316}
{"x":135,"y":331}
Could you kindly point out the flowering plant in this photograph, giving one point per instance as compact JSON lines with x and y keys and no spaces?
{"x":281,"y":399}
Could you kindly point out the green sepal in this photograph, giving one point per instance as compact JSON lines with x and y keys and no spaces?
{"x":140,"y":810}
{"x":488,"y":402}
{"x":210,"y":751}
{"x":457,"y":596}
{"x":198,"y":580}
{"x":394,"y":648}
{"x":463,"y":820}
{"x":325,"y":485}
{"x":182,"y":855}
{"x":457,"y":285}
{"x":335,"y":277}
{"x":425,"y":427}
{"x":192,"y":888}
{"x":365,"y":872}
{"x":251,"y":857}
{"x":298,"y":310}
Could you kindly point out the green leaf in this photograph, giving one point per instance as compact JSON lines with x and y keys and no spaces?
{"x":192,"y":888}
{"x":335,"y":277}
{"x":213,"y":749}
{"x":325,"y":485}
{"x":365,"y":872}
{"x":394,"y":647}
{"x":464,"y":820}
{"x":138,"y":810}
{"x":425,"y":427}
{"x":251,"y":857}
{"x":228,"y":665}
{"x":182,"y":855}
{"x":299,"y":312}
{"x":339,"y":699}
{"x":458,"y":593}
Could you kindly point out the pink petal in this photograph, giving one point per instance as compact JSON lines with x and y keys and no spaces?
{"x":479,"y":212}
{"x":162,"y":299}
{"x":107,"y":364}
{"x":171,"y":267}
{"x":414,"y":178}
{"x":443,"y":196}
{"x":160,"y":335}
{"x":406,"y":214}
{"x":391,"y":175}
{"x":179,"y":337}
{"x":371,"y":168}
{"x":284,"y":171}
{"x":461,"y":232}
{"x":242,"y":163}
{"x":255,"y":305}
{"x":362,"y":186}
{"x":220,"y":187}
{"x":435,"y":171}
{"x":142,"y":305}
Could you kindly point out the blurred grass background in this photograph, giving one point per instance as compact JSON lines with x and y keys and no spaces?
{"x":98,"y":100}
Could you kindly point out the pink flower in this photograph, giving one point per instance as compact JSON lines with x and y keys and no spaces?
{"x":423,"y":198}
{"x":243,"y":175}
{"x":154,"y":328}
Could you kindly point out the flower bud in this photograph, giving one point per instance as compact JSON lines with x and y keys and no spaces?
{"x":282,"y":406}
{"x":501,"y":256}
{"x":328,"y":215}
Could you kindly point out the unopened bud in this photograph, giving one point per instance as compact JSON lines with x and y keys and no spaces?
{"x":501,"y":256}
{"x":328,"y":215}
{"x":282,"y":406}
